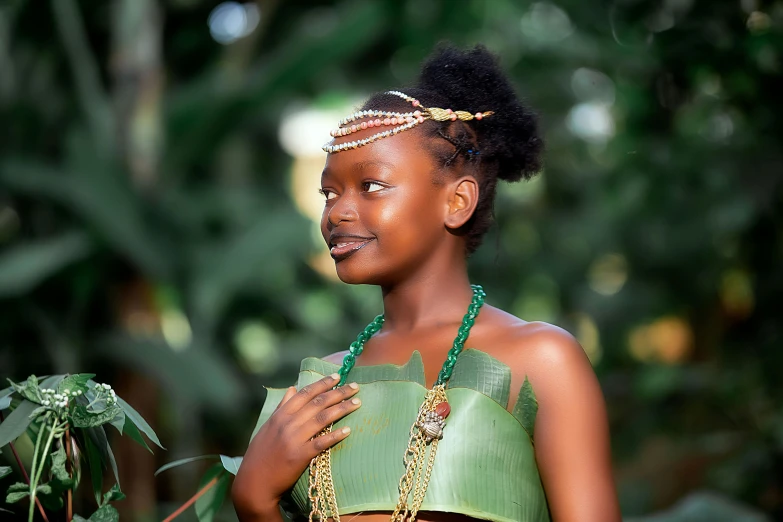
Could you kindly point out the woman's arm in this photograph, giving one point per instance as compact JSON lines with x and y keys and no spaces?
{"x":571,"y":430}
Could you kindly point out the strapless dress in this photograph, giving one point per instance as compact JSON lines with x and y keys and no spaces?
{"x":485,"y":467}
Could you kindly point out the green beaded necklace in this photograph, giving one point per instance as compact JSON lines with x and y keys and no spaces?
{"x":425,"y":433}
{"x":357,"y":347}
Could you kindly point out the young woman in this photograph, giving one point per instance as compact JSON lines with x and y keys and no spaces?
{"x":444,"y":408}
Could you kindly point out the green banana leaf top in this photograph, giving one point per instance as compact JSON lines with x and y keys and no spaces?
{"x":485,"y":467}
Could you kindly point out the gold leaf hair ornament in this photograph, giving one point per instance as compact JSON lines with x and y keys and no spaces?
{"x":400,"y":121}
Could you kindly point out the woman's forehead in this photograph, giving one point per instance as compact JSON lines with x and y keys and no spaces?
{"x":403,"y":151}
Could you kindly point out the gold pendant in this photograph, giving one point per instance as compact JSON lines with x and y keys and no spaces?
{"x":420,"y":454}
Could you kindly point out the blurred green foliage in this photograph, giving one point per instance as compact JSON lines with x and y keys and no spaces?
{"x":148,"y":224}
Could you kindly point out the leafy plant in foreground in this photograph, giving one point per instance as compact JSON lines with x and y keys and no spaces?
{"x":213,"y":488}
{"x":64,"y":415}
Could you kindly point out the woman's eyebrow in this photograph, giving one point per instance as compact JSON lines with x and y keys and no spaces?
{"x":362,"y":165}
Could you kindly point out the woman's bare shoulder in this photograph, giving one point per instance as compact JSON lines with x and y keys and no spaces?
{"x":540,"y":351}
{"x":571,"y":428}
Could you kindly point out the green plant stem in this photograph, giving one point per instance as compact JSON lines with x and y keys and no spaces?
{"x":35,"y":462}
{"x":98,"y":396}
{"x":24,"y":473}
{"x":41,"y":463}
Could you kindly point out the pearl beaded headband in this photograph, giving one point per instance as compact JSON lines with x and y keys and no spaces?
{"x":401,"y":121}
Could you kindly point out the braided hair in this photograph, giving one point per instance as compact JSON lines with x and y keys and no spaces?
{"x":504,"y":146}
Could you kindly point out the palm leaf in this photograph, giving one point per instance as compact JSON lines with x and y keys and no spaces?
{"x":27,"y":265}
{"x":99,"y":194}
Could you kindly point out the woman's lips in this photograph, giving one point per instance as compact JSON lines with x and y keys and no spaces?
{"x":344,"y":248}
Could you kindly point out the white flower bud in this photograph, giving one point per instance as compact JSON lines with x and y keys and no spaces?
{"x":66,"y":392}
{"x":46,"y":403}
{"x":58,"y":396}
{"x":78,"y":392}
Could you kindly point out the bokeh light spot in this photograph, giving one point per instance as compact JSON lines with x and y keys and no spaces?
{"x":588,"y":335}
{"x":175,"y":328}
{"x":667,"y":340}
{"x":256,"y":345}
{"x":759,"y":22}
{"x":589,"y":85}
{"x":719,"y":127}
{"x":591,"y":122}
{"x":230,"y":21}
{"x":546,"y":23}
{"x":608,"y":274}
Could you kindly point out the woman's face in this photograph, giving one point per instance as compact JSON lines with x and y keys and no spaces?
{"x":384,"y":216}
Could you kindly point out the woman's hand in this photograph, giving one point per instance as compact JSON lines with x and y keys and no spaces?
{"x":284,"y":446}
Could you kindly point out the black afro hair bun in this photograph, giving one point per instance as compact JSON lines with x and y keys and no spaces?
{"x":473,"y":81}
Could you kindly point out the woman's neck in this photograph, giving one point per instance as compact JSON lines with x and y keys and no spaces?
{"x":438,"y":298}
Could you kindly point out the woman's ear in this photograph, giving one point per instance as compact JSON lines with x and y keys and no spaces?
{"x":462,"y":202}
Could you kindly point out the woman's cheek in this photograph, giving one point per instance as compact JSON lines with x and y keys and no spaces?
{"x":324,"y":226}
{"x":390,"y":215}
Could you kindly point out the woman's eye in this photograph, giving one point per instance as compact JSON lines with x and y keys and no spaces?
{"x":371,"y":186}
{"x":328,"y":194}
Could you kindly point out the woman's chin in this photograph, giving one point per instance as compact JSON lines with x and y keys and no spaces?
{"x":356,"y":275}
{"x":353,"y":278}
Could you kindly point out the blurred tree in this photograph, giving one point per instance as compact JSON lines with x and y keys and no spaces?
{"x":153,"y":221}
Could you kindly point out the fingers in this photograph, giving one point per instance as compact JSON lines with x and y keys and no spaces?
{"x":290,"y":392}
{"x":310,"y":392}
{"x":327,"y":399}
{"x":326,"y":441}
{"x":324,"y":417}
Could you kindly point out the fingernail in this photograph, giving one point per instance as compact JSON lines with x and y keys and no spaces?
{"x":353,"y":385}
{"x":335,"y":376}
{"x":346,"y":430}
{"x":356,"y":401}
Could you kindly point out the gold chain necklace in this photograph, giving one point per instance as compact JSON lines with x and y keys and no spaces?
{"x":425,"y":432}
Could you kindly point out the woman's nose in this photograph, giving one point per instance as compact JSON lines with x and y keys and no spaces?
{"x":344,"y":209}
